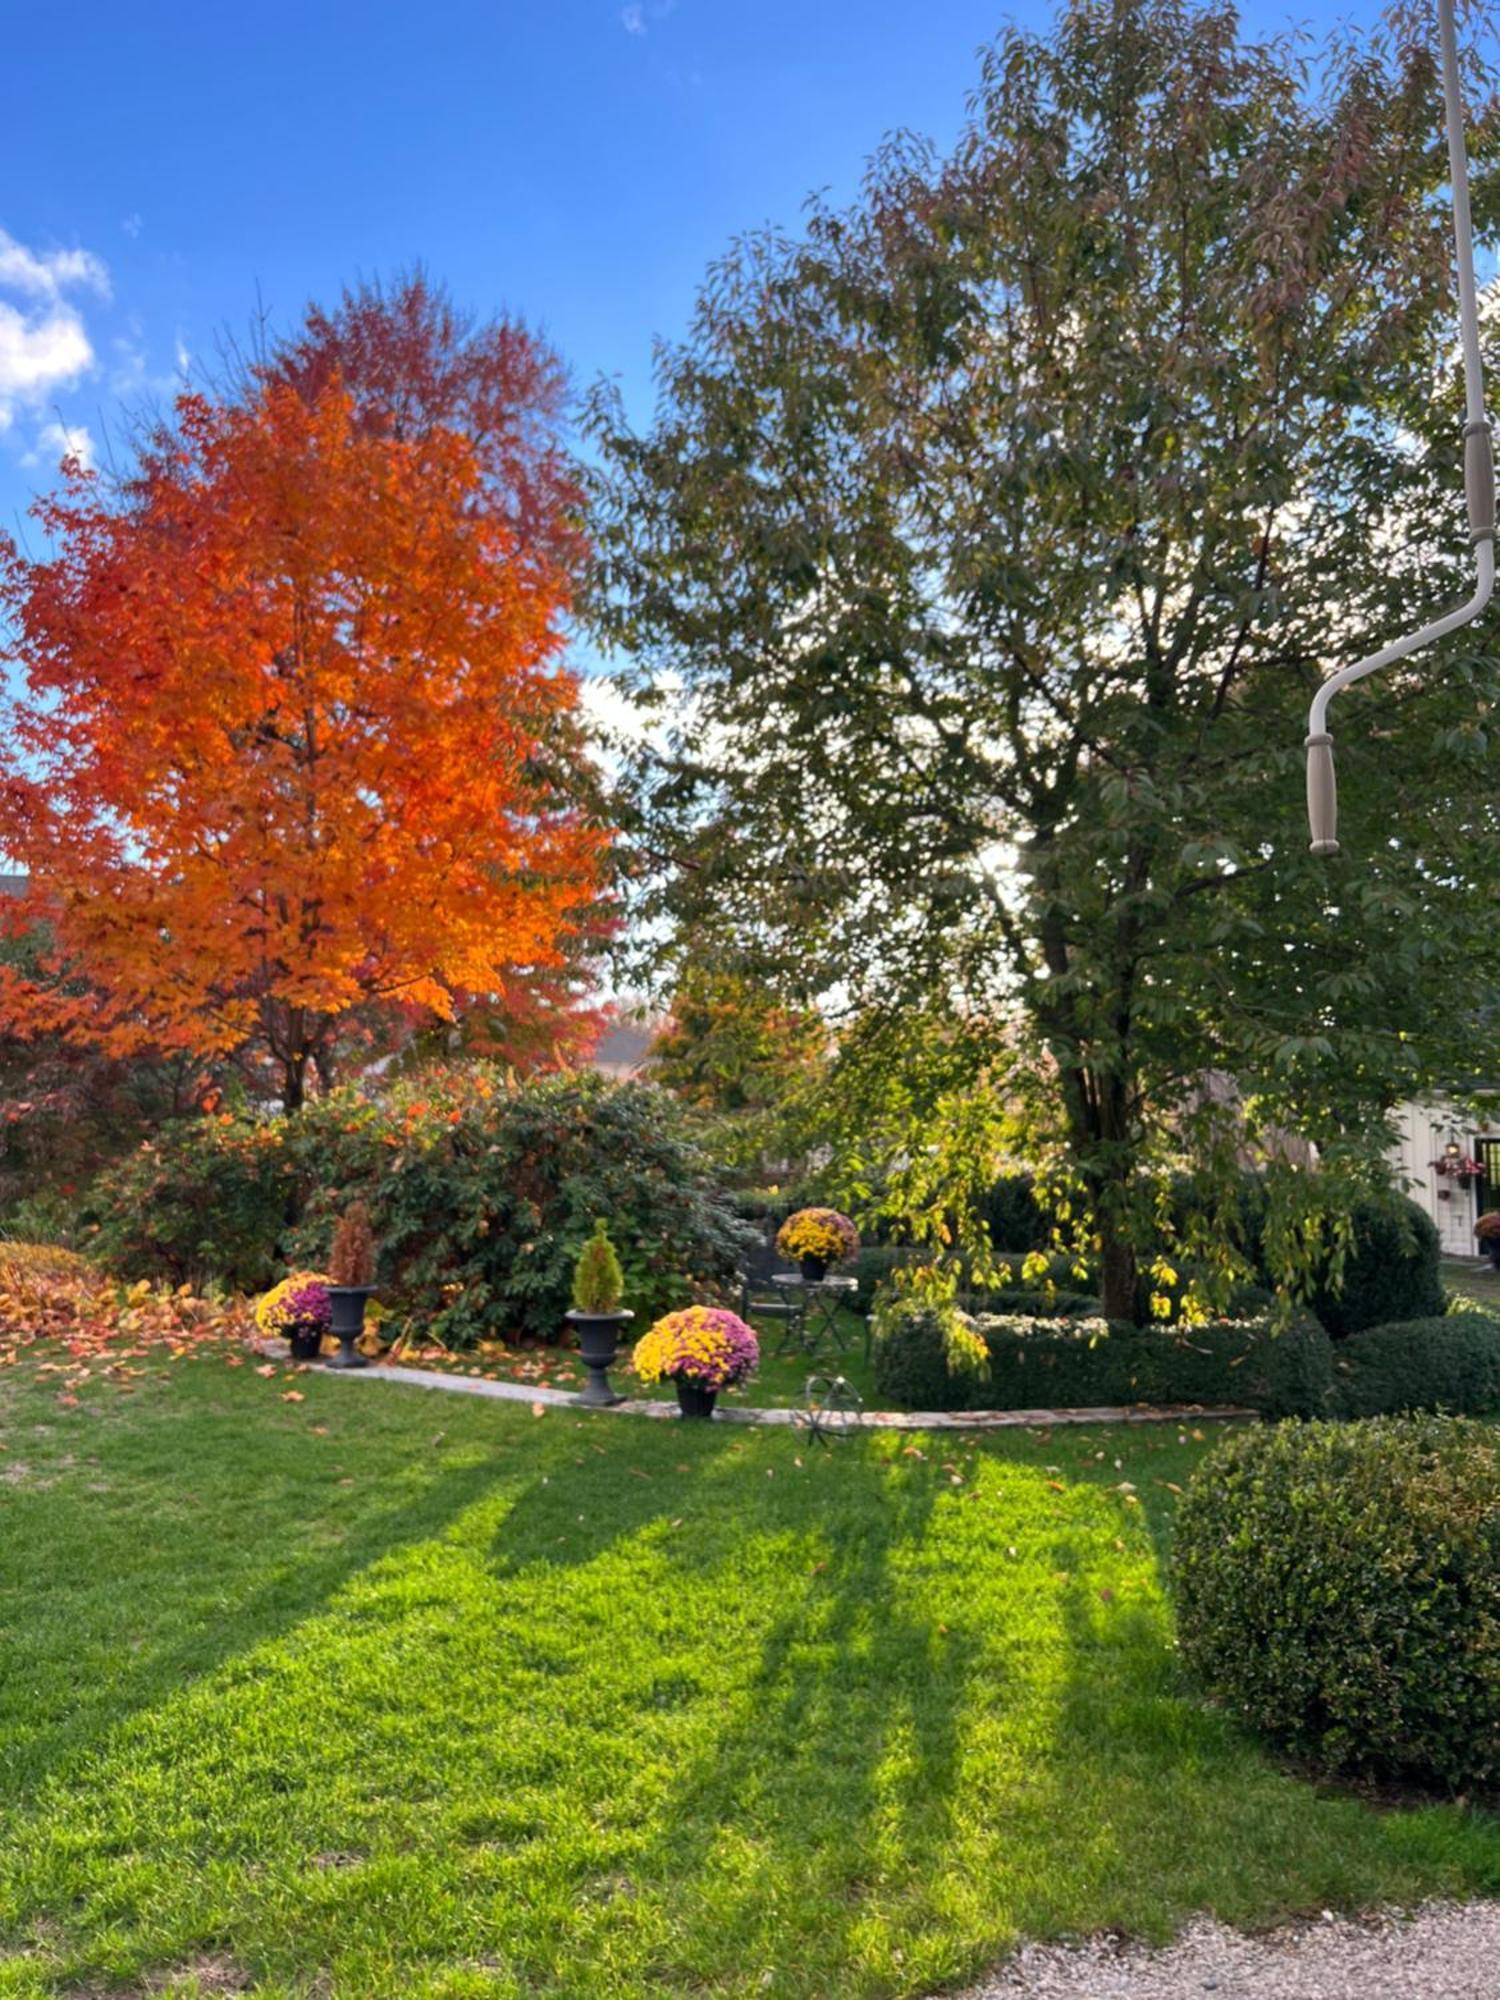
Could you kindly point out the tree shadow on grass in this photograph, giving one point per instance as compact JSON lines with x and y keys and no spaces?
{"x":830,"y":1741}
{"x":287,"y":1547}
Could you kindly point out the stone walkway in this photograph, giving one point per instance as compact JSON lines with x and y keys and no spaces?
{"x":1445,"y":1951}
{"x":886,"y":1420}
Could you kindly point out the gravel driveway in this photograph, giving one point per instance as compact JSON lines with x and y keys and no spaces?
{"x":1446,"y":1951}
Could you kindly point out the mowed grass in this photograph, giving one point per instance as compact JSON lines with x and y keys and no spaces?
{"x":386,"y":1693}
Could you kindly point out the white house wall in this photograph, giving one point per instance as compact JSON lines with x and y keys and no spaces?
{"x":1425,"y":1130}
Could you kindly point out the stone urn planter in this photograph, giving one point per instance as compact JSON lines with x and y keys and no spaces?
{"x":351,"y":1265}
{"x":347,"y":1303}
{"x":598,"y":1349}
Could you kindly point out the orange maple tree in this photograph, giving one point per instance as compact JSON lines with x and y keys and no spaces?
{"x":294,"y":735}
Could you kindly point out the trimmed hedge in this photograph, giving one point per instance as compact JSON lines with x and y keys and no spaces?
{"x":1390,"y":1273}
{"x":1056,"y":1363}
{"x":1450,"y":1363}
{"x":1023,"y":1302}
{"x":873,"y":1267}
{"x":1338,"y":1586}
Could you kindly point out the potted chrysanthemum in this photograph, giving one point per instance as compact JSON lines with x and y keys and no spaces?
{"x":299,"y":1309}
{"x":1487,"y":1229}
{"x":702,"y":1349}
{"x":814,"y":1238}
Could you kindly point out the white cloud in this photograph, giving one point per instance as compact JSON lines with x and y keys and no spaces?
{"x":639,"y":17}
{"x":44,"y":344}
{"x":132,"y":224}
{"x":40,"y":354}
{"x":49,"y":273}
{"x":55,"y":442}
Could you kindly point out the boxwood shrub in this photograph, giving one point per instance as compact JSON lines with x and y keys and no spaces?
{"x":1450,"y":1363}
{"x":1390,"y":1272}
{"x":1062,"y":1363}
{"x":1338,"y":1586}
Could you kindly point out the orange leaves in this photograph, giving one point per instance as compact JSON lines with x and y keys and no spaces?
{"x":286,"y":708}
{"x":70,"y":1320}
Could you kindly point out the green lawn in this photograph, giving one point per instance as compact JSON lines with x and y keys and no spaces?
{"x":381,"y":1693}
{"x":1474,"y":1281}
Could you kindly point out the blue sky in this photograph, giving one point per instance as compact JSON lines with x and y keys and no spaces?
{"x":576,"y":161}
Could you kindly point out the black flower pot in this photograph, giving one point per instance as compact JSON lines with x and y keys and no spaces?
{"x":815,"y":1269}
{"x":598,"y":1348}
{"x":1493,"y":1247}
{"x":348,"y":1307}
{"x":693,"y":1399}
{"x":307,"y":1342}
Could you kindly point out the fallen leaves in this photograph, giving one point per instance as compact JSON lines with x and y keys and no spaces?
{"x":63,"y":1315}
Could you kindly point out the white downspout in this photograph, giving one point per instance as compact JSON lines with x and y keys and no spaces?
{"x":1479,"y":472}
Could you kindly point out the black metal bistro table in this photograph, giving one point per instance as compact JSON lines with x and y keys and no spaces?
{"x":820,"y":1300}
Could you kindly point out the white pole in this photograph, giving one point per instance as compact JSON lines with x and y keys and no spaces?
{"x":1479,"y":472}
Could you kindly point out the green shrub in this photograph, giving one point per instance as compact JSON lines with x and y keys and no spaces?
{"x":916,"y":1347}
{"x":874,"y":1266}
{"x":1014,"y":1217}
{"x":481,"y":1190}
{"x":1338,"y":1586}
{"x":1451,"y":1363}
{"x":1052,"y":1362}
{"x":1390,"y":1273}
{"x":598,"y":1281}
{"x":206,"y":1199}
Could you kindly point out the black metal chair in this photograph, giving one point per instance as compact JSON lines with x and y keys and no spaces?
{"x":761,"y":1300}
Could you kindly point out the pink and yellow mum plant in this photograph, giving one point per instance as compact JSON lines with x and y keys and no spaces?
{"x":299,"y":1301}
{"x":704,"y":1344}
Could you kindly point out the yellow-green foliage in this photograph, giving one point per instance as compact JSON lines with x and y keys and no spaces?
{"x":48,"y":1260}
{"x":598,"y":1281}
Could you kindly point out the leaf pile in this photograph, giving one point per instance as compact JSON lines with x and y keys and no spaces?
{"x":70,"y":1320}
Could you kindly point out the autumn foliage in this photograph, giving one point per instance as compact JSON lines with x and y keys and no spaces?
{"x":296,"y":737}
{"x":75,"y":1324}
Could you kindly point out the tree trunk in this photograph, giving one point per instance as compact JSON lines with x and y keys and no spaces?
{"x":1118,"y":1275}
{"x":294,"y":1084}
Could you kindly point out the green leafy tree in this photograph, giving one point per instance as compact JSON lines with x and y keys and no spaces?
{"x":980,"y":561}
{"x":744,"y":1058}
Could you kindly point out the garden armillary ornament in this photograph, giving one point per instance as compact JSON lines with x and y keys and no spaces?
{"x":1479,"y":472}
